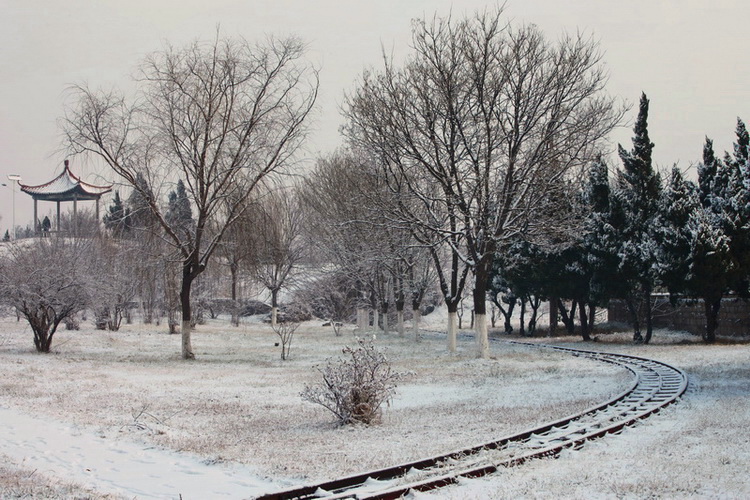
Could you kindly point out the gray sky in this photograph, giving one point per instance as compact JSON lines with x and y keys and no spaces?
{"x":689,"y":56}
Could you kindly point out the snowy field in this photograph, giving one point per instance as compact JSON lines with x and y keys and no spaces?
{"x":120,"y":415}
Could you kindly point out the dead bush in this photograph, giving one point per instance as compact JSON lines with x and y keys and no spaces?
{"x":355,"y":388}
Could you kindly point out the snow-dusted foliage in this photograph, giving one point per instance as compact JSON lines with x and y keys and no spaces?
{"x":634,"y":207}
{"x":355,"y":388}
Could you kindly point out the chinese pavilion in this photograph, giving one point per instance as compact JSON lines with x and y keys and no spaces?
{"x":65,"y":187}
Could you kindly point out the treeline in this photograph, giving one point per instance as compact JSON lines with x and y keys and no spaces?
{"x":636,"y":234}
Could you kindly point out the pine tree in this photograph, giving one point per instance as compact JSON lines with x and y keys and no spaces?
{"x":141,"y":216}
{"x":707,"y":172}
{"x":679,"y":200}
{"x":116,"y":218}
{"x":711,"y":266}
{"x":600,"y":238}
{"x":179,"y":215}
{"x":6,"y":236}
{"x":637,"y":192}
{"x":738,"y":208}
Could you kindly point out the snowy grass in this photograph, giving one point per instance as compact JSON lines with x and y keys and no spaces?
{"x":239,"y":403}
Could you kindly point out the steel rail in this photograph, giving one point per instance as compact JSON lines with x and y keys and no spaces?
{"x":655,"y":386}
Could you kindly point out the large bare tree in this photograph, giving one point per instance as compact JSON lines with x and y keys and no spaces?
{"x":220,"y":116}
{"x":480,"y":125}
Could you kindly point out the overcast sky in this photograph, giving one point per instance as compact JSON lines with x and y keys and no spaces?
{"x":689,"y":56}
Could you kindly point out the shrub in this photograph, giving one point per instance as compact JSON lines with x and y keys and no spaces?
{"x":354,"y":389}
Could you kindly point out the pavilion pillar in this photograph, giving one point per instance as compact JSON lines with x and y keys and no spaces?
{"x":75,"y":216}
{"x":58,"y":217}
{"x":97,"y":213}
{"x":37,"y":224}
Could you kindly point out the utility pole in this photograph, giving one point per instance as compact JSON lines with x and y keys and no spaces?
{"x":16,"y":179}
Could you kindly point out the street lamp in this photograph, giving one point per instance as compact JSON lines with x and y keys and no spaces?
{"x":16,"y":179}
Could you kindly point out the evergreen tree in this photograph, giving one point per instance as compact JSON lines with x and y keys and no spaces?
{"x":737,"y":210}
{"x":6,"y":236}
{"x":729,"y":203}
{"x":141,"y":216}
{"x":637,"y":191}
{"x":116,"y":218}
{"x":707,"y":172}
{"x":179,"y":215}
{"x":679,"y":200}
{"x":600,"y":238}
{"x":711,"y":267}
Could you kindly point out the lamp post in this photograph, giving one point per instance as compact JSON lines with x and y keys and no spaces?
{"x":16,"y":179}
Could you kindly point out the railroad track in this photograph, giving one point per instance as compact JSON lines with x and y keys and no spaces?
{"x":655,"y":386}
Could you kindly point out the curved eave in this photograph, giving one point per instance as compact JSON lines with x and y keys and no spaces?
{"x":77,"y":193}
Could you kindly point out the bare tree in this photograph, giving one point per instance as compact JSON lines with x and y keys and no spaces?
{"x":480,"y":125}
{"x":285,"y":331}
{"x":221,"y":117}
{"x":47,"y":282}
{"x":113,"y":262}
{"x":277,"y":227}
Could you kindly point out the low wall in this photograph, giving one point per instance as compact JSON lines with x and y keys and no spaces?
{"x":690,"y":316}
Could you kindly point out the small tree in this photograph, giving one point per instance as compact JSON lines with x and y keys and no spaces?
{"x":46,"y":284}
{"x":355,"y":389}
{"x":285,"y":331}
{"x":116,"y":285}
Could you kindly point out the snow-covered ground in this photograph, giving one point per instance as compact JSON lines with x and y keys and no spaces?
{"x":118,"y":414}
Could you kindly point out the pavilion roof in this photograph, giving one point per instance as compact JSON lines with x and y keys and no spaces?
{"x":66,"y":187}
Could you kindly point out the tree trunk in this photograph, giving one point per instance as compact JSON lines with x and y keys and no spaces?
{"x":480,"y":319}
{"x":552,"y":317}
{"x":233,"y":268}
{"x":187,"y":282}
{"x":523,"y":316}
{"x":362,"y":319}
{"x":568,"y":317}
{"x":633,"y":310}
{"x":534,"y":303}
{"x":712,"y":319}
{"x":452,"y":328}
{"x":592,"y":317}
{"x":415,"y":317}
{"x":649,"y":315}
{"x":400,"y":303}
{"x":483,"y":341}
{"x":274,"y":307}
{"x":584,"y":322}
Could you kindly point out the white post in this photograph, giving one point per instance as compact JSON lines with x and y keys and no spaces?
{"x":16,"y":179}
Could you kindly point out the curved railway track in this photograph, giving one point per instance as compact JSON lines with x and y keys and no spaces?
{"x":655,"y":386}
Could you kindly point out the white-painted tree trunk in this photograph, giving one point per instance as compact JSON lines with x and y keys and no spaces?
{"x":274,"y":316}
{"x":187,"y":348}
{"x":360,"y":319}
{"x":400,"y":325}
{"x":416,"y":316}
{"x":482,"y":337}
{"x":452,"y":330}
{"x":386,"y":326}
